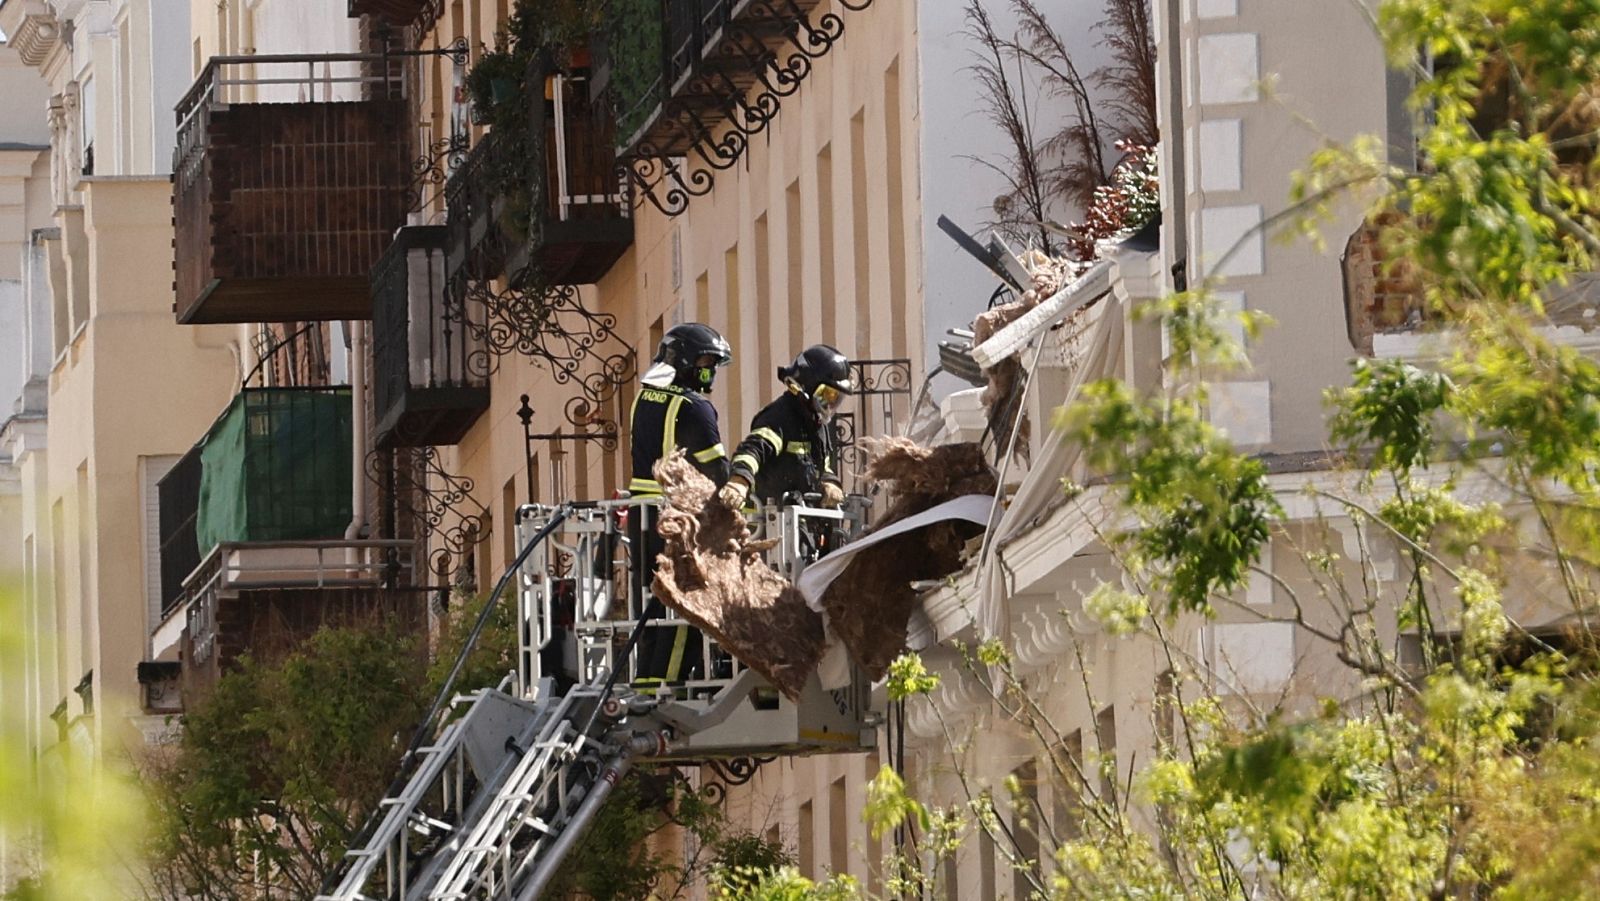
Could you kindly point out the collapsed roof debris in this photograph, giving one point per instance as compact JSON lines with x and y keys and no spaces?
{"x":712,"y":573}
{"x":1049,"y":274}
{"x":869,"y":605}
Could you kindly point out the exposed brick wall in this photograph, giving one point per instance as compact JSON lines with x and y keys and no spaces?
{"x":1380,"y":295}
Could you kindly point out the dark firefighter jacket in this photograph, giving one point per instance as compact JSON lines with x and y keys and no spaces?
{"x":665,"y":419}
{"x":787,"y":450}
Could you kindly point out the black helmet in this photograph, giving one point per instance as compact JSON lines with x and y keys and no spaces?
{"x":822,"y":374}
{"x":683,"y":346}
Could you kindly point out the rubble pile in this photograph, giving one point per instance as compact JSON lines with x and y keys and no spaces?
{"x":869,"y":605}
{"x":712,"y":573}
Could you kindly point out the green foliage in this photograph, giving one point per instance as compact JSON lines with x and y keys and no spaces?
{"x":785,"y":884}
{"x":617,"y":861}
{"x":283,"y":762}
{"x":1118,"y":612}
{"x":613,"y":862}
{"x":908,"y":676}
{"x":1204,"y":509}
{"x":1390,"y":407}
{"x":636,"y":43}
{"x":70,"y":823}
{"x":493,"y":657}
{"x":889,"y":806}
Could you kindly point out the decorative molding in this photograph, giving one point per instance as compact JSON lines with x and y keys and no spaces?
{"x":32,"y":28}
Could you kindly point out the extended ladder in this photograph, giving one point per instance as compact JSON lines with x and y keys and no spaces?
{"x":495,"y":803}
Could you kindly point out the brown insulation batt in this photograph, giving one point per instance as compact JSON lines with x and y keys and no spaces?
{"x":712,"y":573}
{"x":869,"y":605}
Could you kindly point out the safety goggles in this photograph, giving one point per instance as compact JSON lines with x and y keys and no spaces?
{"x":827,"y":398}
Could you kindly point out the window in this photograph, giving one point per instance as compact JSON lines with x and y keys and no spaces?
{"x":1067,"y":805}
{"x":795,"y":264}
{"x":838,"y":827}
{"x":88,"y":611}
{"x":731,"y":303}
{"x":508,"y":516}
{"x":894,"y":161}
{"x":859,"y":235}
{"x":151,"y":472}
{"x":986,"y":860}
{"x":807,"y":852}
{"x":124,"y":98}
{"x":828,"y":288}
{"x":763,"y":300}
{"x":1026,"y":826}
{"x":702,"y":298}
{"x":1105,"y":727}
{"x":86,"y":123}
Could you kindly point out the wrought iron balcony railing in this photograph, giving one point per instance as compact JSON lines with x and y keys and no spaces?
{"x":541,"y":198}
{"x":430,"y":383}
{"x":697,"y":79}
{"x":289,"y":178}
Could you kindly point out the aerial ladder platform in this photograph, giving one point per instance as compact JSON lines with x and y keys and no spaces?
{"x":501,"y":783}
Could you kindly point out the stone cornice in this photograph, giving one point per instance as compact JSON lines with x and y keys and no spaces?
{"x":32,"y":28}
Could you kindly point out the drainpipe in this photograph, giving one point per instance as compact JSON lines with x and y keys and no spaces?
{"x":357,"y":330}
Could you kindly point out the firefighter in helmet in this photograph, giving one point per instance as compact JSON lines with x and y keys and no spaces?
{"x":673,"y":411}
{"x":790,"y":446}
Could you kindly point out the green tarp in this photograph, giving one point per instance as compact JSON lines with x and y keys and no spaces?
{"x":276,"y":467}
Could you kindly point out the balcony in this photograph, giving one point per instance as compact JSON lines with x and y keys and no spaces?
{"x":254,"y":517}
{"x":700,"y":78}
{"x":289,"y":179}
{"x":397,"y":12}
{"x":429,"y":364}
{"x":265,"y":597}
{"x":541,"y":197}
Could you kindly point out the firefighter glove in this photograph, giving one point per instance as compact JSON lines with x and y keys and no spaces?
{"x":832,"y":495}
{"x":732,"y":495}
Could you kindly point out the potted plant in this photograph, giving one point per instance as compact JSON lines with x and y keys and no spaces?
{"x":495,"y":81}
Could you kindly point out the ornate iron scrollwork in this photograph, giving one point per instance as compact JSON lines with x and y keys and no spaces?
{"x":585,"y":418}
{"x":549,"y":324}
{"x":440,"y":505}
{"x":431,"y":171}
{"x":668,"y":182}
{"x":717,"y":113}
{"x":724,"y":774}
{"x":876,"y":382}
{"x":738,"y":771}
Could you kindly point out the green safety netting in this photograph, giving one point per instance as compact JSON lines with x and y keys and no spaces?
{"x":276,"y":467}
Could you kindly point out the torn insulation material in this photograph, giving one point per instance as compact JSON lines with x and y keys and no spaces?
{"x":869,"y":605}
{"x":713,"y":575}
{"x":1049,"y":275}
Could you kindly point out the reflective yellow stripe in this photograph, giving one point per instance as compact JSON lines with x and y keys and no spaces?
{"x":669,"y":439}
{"x":644,"y":486}
{"x":771,"y":438}
{"x":713,"y":452}
{"x":748,"y":462}
{"x":675,"y":662}
{"x":798,"y":447}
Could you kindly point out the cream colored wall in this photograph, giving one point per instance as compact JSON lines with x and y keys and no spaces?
{"x":1243,"y":147}
{"x":126,"y":384}
{"x":131,"y":384}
